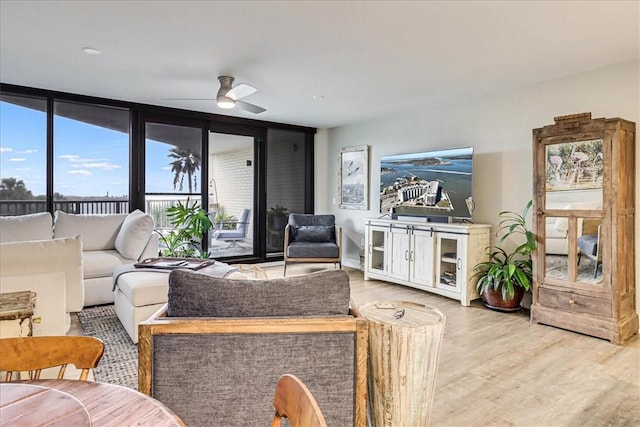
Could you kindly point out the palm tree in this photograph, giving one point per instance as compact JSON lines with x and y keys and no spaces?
{"x":186,"y":163}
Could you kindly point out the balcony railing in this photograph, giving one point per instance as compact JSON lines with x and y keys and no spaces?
{"x":155,"y":205}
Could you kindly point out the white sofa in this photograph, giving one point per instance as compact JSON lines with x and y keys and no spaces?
{"x":557,"y":229}
{"x":53,"y":270}
{"x":107,"y":241}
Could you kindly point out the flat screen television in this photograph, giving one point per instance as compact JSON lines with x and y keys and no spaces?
{"x":436,"y":184}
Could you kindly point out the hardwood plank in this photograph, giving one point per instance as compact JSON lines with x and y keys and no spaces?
{"x":500,"y":369}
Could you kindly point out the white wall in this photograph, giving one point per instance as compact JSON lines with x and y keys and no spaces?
{"x":499,"y":127}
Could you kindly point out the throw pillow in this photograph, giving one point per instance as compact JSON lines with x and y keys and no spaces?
{"x":134,"y":234}
{"x":314,"y":233}
{"x":195,"y":294}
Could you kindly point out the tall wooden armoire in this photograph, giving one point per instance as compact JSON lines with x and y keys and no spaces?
{"x":584,"y":190}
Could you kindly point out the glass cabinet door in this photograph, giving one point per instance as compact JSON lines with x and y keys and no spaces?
{"x":377,"y":262}
{"x":449,"y":249}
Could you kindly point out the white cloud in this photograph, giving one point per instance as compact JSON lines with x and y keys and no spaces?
{"x":102,"y":165}
{"x":17,"y":159}
{"x":80,"y":172}
{"x":166,"y":168}
{"x":70,"y":157}
{"x":5,"y":149}
{"x":29,"y":151}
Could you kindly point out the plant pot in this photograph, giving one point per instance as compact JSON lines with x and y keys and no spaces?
{"x":493,"y":299}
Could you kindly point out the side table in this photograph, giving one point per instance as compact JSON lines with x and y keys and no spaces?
{"x":16,"y":314}
{"x":404,"y":345}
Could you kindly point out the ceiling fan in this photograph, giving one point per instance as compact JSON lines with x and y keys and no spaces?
{"x":229,"y":96}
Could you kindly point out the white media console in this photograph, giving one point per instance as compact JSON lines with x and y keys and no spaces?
{"x":435,"y":257}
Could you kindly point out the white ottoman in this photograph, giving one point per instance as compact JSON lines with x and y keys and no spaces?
{"x":137,"y":296}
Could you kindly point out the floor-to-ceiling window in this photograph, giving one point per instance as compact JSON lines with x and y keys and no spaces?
{"x":90,"y":158}
{"x":23,"y":154}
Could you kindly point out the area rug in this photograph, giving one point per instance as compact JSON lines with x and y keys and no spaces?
{"x":119,"y":364}
{"x":556,"y":267}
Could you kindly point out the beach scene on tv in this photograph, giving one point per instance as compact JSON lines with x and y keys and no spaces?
{"x":437,"y":183}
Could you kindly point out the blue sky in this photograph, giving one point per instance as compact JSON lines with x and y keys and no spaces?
{"x":88,"y":160}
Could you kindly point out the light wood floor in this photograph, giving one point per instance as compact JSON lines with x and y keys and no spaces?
{"x":499,"y":369}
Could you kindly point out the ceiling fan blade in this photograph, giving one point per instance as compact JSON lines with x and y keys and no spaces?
{"x":188,"y":99}
{"x":240,"y":91}
{"x":250,"y":107}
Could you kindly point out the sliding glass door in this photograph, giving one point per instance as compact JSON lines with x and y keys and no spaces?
{"x":231,"y":197}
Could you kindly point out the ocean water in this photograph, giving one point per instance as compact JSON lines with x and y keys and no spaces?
{"x":456,"y":178}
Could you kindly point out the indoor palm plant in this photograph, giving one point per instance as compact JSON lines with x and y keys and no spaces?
{"x":503,"y":279}
{"x":190,"y":225}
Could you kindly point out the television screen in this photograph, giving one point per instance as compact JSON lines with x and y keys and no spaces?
{"x":434,"y":183}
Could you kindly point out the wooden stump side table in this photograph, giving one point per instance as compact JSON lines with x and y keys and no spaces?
{"x":404,"y":345}
{"x":16,"y":314}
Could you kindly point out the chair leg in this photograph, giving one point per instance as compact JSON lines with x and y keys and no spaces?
{"x":595,"y":270}
{"x":579,"y":255}
{"x":285,"y":268}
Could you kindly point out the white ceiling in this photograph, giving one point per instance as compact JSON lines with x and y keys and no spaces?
{"x":367,"y":59}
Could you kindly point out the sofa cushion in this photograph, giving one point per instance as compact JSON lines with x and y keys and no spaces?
{"x":134,"y":234}
{"x":314,"y":233}
{"x":98,"y":232}
{"x":193,"y":294}
{"x":312,"y":250}
{"x":22,"y":228}
{"x":102,"y":263}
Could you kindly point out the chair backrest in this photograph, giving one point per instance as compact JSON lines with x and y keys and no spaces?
{"x":296,"y":219}
{"x":243,"y":222}
{"x":294,"y":401}
{"x":36,"y":353}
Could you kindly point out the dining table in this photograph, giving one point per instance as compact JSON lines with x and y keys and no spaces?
{"x":80,"y":403}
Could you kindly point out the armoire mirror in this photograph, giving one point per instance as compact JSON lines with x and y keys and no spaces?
{"x":573,"y":182}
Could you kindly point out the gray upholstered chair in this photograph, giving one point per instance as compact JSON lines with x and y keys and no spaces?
{"x":312,"y":238}
{"x":214,"y":353}
{"x":238,"y":232}
{"x":589,"y":244}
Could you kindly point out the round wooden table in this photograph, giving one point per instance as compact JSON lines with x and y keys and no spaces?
{"x":79,"y":403}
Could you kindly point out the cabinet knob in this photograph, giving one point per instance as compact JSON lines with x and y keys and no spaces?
{"x":572,"y":301}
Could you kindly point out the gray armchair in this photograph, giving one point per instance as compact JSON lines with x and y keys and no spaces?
{"x":312,"y":238}
{"x":214,"y":353}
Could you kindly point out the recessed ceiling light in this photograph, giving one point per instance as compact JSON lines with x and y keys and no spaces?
{"x":317,"y":97}
{"x":91,"y":51}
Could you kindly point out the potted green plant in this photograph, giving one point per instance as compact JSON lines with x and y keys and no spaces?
{"x":190,"y":225}
{"x":278,"y":217}
{"x":504,"y":278}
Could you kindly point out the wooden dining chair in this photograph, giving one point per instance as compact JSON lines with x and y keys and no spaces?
{"x":294,"y":401}
{"x":33,"y":354}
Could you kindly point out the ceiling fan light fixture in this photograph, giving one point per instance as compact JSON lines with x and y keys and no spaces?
{"x":224,"y":102}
